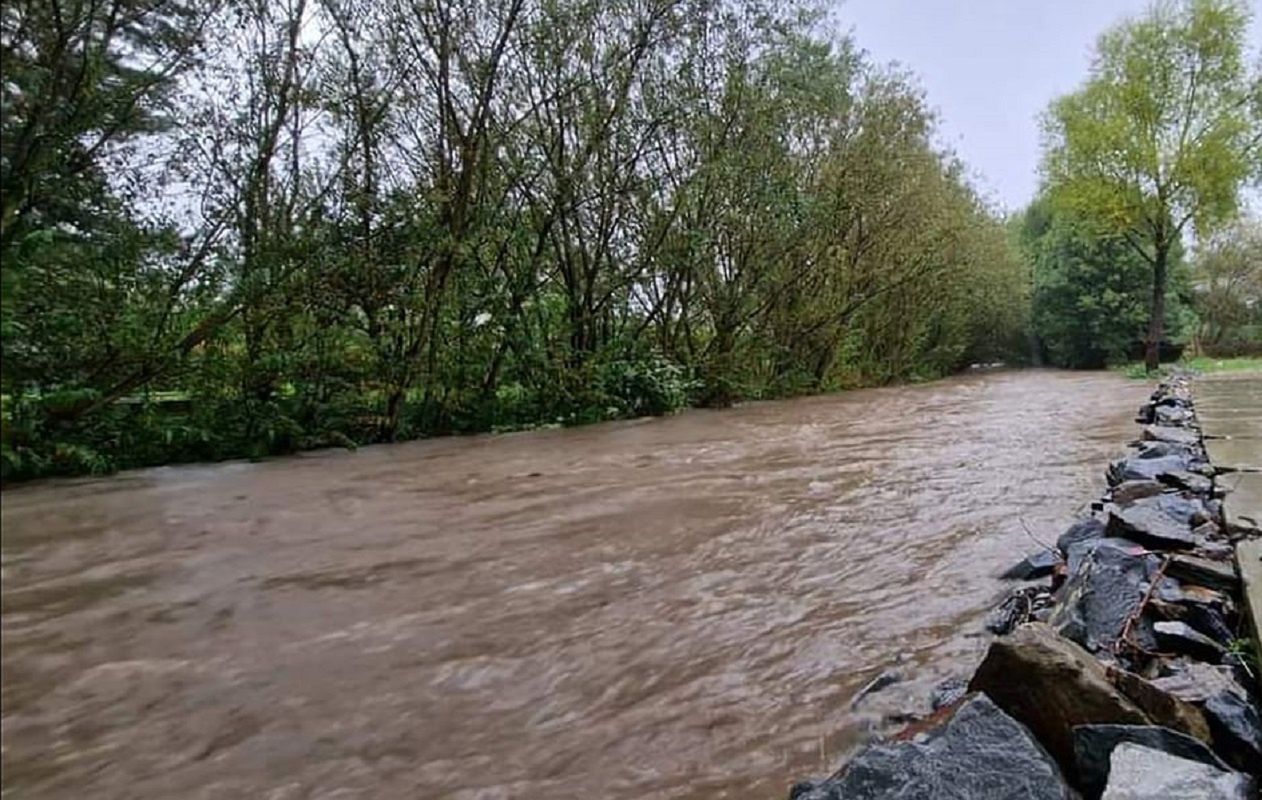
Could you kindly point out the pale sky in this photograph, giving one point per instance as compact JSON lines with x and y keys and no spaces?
{"x":990,"y":67}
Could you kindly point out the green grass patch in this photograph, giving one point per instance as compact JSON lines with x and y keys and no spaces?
{"x":1204,"y":364}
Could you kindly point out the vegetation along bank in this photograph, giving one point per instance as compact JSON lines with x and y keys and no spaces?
{"x":242,"y":229}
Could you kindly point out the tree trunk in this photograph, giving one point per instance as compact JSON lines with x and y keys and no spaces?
{"x":1157,"y":320}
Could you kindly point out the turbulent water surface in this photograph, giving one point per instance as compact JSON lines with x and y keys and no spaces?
{"x":671,"y":608}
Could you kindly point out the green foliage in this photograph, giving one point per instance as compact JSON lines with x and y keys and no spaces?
{"x":1162,"y":135}
{"x":380,"y":238}
{"x":1228,"y":276}
{"x":1091,"y":290}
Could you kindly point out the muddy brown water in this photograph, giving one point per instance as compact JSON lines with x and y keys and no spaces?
{"x":670,"y":608}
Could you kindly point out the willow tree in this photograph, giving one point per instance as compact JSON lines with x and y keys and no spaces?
{"x":1163,"y":135}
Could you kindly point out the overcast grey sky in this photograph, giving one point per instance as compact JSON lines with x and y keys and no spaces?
{"x":990,"y":67}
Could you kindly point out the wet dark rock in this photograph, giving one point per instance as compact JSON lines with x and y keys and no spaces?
{"x":1150,"y":526}
{"x":1163,"y":449}
{"x":1159,"y":706}
{"x":1196,"y":681}
{"x":1034,"y":566}
{"x":886,"y":678}
{"x":1128,"y":492}
{"x":1209,"y":611}
{"x":1172,"y":415}
{"x":1142,"y":773}
{"x":1188,"y":510}
{"x":804,"y":789}
{"x":1163,"y":433}
{"x":1145,"y":469}
{"x":1105,"y":587}
{"x":1204,"y":572}
{"x":1230,"y":715}
{"x":948,"y":692}
{"x":1174,"y":591}
{"x":1180,"y":637}
{"x":1079,"y":552}
{"x":1081,"y":531}
{"x":1192,"y":482}
{"x":978,"y":752}
{"x":1237,"y":730}
{"x":1094,"y":744}
{"x":1051,"y":685}
{"x":1205,"y":618}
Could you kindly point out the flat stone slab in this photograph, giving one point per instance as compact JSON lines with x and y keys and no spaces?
{"x":1230,"y":426}
{"x":1235,"y":454}
{"x":1243,"y":504}
{"x":1249,"y":559}
{"x":1141,"y":773}
{"x":1231,"y":406}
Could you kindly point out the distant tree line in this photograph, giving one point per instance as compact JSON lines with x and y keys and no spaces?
{"x":254,"y":226}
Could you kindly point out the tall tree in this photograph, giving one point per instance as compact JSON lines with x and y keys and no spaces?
{"x":1163,"y":135}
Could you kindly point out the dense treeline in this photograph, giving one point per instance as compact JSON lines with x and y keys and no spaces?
{"x":266,"y":226}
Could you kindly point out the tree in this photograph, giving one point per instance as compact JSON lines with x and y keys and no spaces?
{"x":1163,"y":136}
{"x":1091,"y":289}
{"x":1229,"y":289}
{"x":320,"y":222}
{"x":79,"y":77}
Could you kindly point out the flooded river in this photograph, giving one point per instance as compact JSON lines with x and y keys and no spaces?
{"x":671,"y":608}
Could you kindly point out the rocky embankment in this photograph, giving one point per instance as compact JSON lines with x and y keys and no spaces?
{"x":1121,"y":673}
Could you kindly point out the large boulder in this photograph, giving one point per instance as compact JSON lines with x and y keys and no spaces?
{"x":1163,"y":449}
{"x":1196,"y":682}
{"x":1179,"y":637}
{"x":1105,"y":588}
{"x":1094,"y":744}
{"x":1078,"y":553}
{"x":1175,"y":416}
{"x":1231,"y":719}
{"x":978,"y":752}
{"x":1142,"y":773}
{"x":1205,"y":610}
{"x":1051,"y":685}
{"x":1159,"y":706}
{"x":1151,"y":526}
{"x":1189,"y":510}
{"x":1145,"y":469}
{"x":1213,"y":574}
{"x":1128,"y":492}
{"x":1192,"y":482}
{"x":1164,"y":433}
{"x":1237,"y":730}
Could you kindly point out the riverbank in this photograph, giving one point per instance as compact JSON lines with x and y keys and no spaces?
{"x":1125,"y":671}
